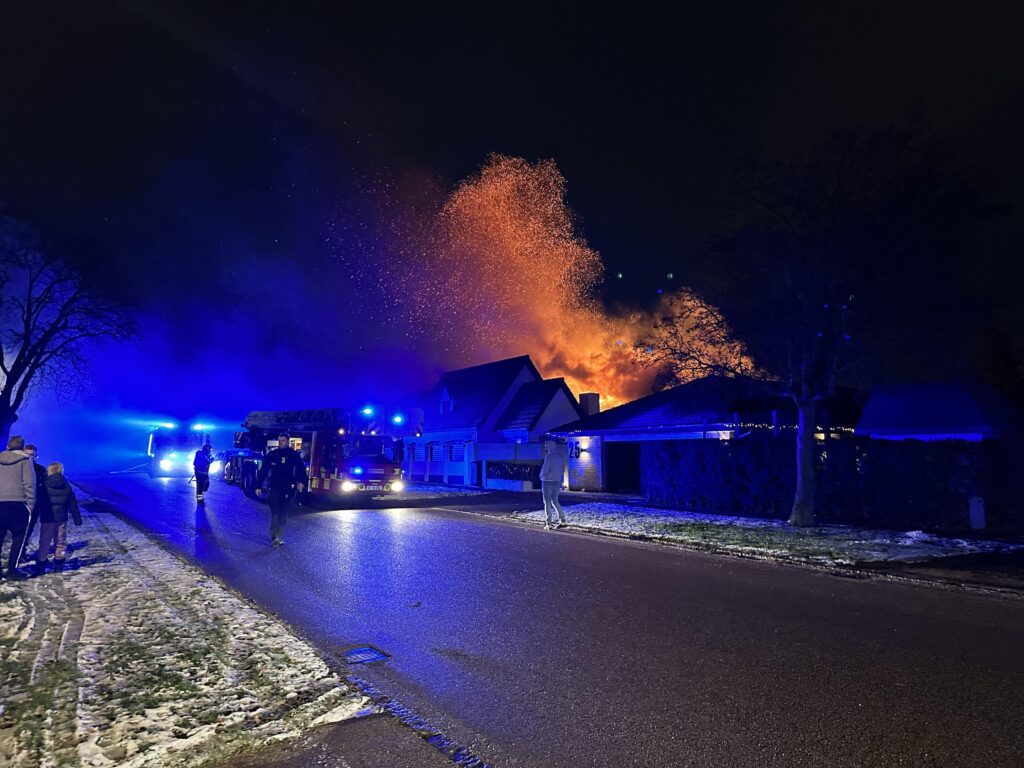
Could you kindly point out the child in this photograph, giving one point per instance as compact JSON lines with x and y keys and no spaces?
{"x":53,"y":522}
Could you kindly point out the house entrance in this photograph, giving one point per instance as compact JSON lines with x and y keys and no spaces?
{"x":622,"y":467}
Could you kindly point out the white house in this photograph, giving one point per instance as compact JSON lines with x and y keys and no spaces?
{"x":492,"y":413}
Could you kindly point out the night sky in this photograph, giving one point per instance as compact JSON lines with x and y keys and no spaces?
{"x":195,"y":158}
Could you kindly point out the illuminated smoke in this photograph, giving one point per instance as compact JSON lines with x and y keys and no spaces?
{"x":499,"y":269}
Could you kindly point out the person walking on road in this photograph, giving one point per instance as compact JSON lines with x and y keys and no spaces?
{"x":53,"y":520}
{"x":17,"y":500}
{"x":552,"y":473}
{"x":285,"y":474}
{"x":201,"y":464}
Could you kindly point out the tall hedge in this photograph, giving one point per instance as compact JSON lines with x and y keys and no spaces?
{"x":875,"y":483}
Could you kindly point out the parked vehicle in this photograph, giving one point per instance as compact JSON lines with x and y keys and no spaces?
{"x":346,"y":452}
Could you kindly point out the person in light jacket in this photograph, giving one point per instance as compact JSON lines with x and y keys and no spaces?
{"x":552,"y":473}
{"x":17,"y":500}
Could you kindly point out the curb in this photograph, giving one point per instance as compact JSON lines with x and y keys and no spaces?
{"x":457,"y":754}
{"x":849,"y":572}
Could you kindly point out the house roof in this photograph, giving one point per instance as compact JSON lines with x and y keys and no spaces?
{"x":710,"y":402}
{"x":475,"y":393}
{"x":939,"y":410}
{"x":530,"y":402}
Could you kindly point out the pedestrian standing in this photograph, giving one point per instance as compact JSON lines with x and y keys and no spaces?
{"x":285,"y":474}
{"x":201,"y":464}
{"x":552,"y":473}
{"x":42,"y":500}
{"x":53,"y":520}
{"x":17,"y":500}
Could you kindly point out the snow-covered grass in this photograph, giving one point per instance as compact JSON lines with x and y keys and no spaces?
{"x":135,"y":658}
{"x":416,"y":491}
{"x":824,"y":545}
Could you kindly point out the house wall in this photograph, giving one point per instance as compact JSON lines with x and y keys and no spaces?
{"x":524,"y":376}
{"x":559,"y":411}
{"x":441,"y":457}
{"x":585,"y":466}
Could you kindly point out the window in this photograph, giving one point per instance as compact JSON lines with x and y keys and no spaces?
{"x":447,"y":404}
{"x":436,"y":452}
{"x":458,"y":451}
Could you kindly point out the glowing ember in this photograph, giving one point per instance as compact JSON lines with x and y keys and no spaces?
{"x":523,"y":281}
{"x":501,"y":270}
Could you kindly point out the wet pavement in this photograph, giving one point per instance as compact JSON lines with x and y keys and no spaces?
{"x":547,"y":649}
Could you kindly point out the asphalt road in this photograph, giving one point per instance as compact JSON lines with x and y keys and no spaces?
{"x":548,"y":649}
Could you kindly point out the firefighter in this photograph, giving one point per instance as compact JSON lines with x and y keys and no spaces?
{"x":201,"y":464}
{"x":285,"y":474}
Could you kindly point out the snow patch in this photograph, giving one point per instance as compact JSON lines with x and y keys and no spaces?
{"x":416,"y":491}
{"x":823,"y":545}
{"x":135,"y":658}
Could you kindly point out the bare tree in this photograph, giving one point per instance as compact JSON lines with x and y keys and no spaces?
{"x":812,"y":283}
{"x":47,"y":316}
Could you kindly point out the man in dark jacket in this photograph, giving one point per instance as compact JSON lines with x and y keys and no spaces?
{"x":53,"y":520}
{"x":42,"y":500}
{"x":201,"y":464}
{"x":17,"y":500}
{"x":285,"y":474}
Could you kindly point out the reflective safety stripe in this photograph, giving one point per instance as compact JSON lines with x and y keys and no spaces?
{"x":314,"y":482}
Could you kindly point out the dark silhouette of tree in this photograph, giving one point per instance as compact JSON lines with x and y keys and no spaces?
{"x":817,"y":280}
{"x":47,"y":315}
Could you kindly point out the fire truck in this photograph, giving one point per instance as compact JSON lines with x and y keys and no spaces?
{"x":346,"y":451}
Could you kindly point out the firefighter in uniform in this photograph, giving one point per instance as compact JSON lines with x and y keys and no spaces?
{"x":201,"y":464}
{"x":285,"y":474}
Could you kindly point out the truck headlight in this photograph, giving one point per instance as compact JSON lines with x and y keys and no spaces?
{"x":166,"y":465}
{"x":348,"y":486}
{"x":397,"y":486}
{"x":216,"y":467}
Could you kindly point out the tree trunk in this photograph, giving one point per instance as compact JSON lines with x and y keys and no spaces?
{"x":803,"y":499}
{"x":7,"y":419}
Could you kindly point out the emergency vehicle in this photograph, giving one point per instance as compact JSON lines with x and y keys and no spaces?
{"x":172,"y":449}
{"x":346,"y":451}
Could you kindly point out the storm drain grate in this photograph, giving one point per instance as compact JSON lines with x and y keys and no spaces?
{"x":363,"y":655}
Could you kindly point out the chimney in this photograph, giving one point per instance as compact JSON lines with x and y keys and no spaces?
{"x":590,"y":402}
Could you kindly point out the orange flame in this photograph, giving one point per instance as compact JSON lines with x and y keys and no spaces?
{"x":507,"y":246}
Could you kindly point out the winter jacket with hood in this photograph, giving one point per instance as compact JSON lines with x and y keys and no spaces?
{"x":553,"y":468}
{"x":17,"y":478}
{"x":62,"y":501}
{"x":42,"y":500}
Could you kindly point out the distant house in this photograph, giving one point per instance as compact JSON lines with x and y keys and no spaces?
{"x":604,"y":449}
{"x":939,"y":411}
{"x":492,"y":413}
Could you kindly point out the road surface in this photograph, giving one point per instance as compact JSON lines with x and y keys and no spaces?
{"x":545,"y":649}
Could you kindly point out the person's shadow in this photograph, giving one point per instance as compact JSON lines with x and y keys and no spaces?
{"x":202,"y":521}
{"x":77,"y":563}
